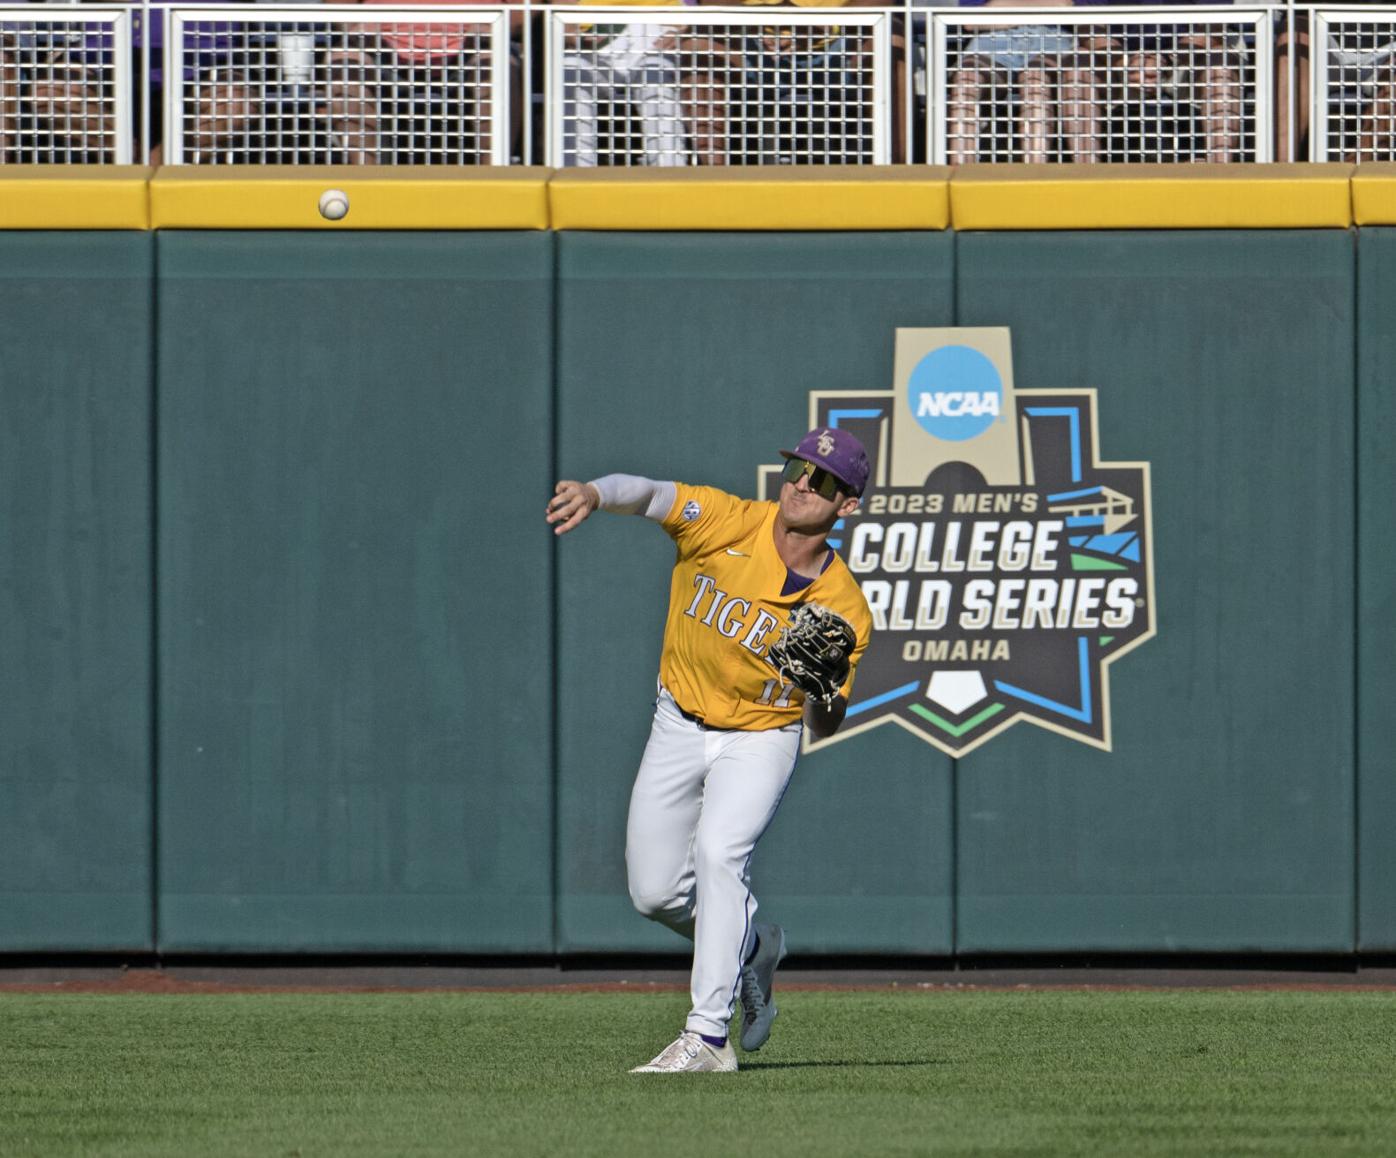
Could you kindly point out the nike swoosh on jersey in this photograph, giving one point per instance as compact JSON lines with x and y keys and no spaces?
{"x":742,"y":554}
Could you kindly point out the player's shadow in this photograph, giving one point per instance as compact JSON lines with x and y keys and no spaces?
{"x":843,"y":1063}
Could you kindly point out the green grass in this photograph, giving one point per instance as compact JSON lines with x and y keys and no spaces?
{"x":880,"y":1073}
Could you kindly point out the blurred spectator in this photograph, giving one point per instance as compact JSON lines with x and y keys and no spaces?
{"x":416,"y":93}
{"x":1178,"y":96}
{"x":1142,"y":92}
{"x":261,"y":90}
{"x":221,"y":100}
{"x":1376,"y":139}
{"x":617,"y":75}
{"x":776,"y":94}
{"x":57,"y":92}
{"x":803,"y":96}
{"x":676,"y":78}
{"x":1360,"y":64}
{"x":231,"y":102}
{"x":1016,"y":61}
{"x":698,"y":94}
{"x":1359,"y":68}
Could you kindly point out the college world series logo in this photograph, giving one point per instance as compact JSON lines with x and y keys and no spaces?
{"x":1005,"y":565}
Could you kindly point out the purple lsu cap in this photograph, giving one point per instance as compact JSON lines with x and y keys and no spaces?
{"x":836,"y":451}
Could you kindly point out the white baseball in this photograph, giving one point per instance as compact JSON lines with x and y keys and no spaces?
{"x":334,"y":204}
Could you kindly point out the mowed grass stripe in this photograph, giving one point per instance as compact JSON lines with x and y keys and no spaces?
{"x":846,"y":1073}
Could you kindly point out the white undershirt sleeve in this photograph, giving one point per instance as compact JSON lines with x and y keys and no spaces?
{"x":629,"y":494}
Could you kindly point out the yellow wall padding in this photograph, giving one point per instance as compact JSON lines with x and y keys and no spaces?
{"x":288,"y":197}
{"x":853,"y":197}
{"x":974,"y":197}
{"x":74,"y":197}
{"x":1374,"y":194}
{"x":1151,"y":196}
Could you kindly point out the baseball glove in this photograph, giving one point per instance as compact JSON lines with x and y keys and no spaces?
{"x":812,"y":653}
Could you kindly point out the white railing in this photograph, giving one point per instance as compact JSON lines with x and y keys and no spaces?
{"x":66,"y":82}
{"x":200,"y":84}
{"x":718,"y":87}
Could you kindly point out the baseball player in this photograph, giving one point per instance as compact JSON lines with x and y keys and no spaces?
{"x":766,"y":626}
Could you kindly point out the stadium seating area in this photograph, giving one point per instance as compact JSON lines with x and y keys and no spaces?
{"x":677,"y":86}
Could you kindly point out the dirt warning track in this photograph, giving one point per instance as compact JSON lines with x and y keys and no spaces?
{"x":233,"y":978}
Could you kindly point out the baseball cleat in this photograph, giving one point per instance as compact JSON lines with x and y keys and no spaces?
{"x":758,"y":978}
{"x":690,"y":1054}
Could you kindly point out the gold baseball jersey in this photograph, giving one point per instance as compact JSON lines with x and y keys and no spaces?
{"x":726,"y":608}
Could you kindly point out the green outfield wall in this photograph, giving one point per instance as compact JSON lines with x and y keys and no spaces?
{"x":355,"y":649}
{"x":76,"y":591}
{"x":1223,"y":818}
{"x":1375,"y":680}
{"x":291,"y":662}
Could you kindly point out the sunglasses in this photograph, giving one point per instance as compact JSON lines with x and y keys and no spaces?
{"x":821,"y":482}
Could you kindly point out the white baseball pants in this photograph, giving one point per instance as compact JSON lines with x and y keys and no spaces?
{"x":701,"y":801}
{"x":627,"y":69}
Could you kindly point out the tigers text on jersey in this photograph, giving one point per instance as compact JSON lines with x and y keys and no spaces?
{"x":726,"y":609}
